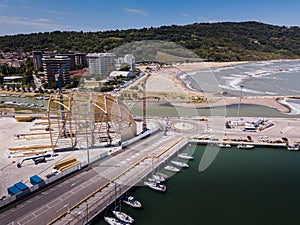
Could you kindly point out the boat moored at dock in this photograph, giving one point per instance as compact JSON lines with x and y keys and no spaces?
{"x":172,"y":169}
{"x":245,"y":146}
{"x":156,"y":186}
{"x":123,"y":217}
{"x":131,"y":201}
{"x":114,"y":221}
{"x":185,"y":156}
{"x":224,"y":145}
{"x":181,"y":164}
{"x":293,"y":148}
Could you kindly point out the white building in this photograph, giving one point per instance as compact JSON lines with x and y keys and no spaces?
{"x":100,"y":63}
{"x":130,"y":60}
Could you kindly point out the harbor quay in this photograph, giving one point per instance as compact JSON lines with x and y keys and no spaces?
{"x":88,"y":190}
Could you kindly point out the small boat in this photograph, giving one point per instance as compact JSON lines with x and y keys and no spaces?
{"x":245,"y":146}
{"x":159,"y":177}
{"x":172,"y":168}
{"x":224,"y":145}
{"x":181,"y":164}
{"x":152,"y":179}
{"x":123,"y":217}
{"x":293,"y":148}
{"x":185,"y":156}
{"x":162,"y":175}
{"x":131,"y":201}
{"x":156,"y":186}
{"x":114,"y":221}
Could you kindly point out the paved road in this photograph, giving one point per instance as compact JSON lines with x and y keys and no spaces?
{"x":53,"y":201}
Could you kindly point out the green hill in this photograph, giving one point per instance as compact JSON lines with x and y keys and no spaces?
{"x":211,"y":41}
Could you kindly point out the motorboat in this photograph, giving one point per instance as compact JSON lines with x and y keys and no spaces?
{"x":156,"y":186}
{"x":293,"y":148}
{"x":245,"y":146}
{"x":185,"y":156}
{"x":157,"y":178}
{"x":160,"y":177}
{"x":224,"y":145}
{"x":123,"y":217}
{"x":181,"y":164}
{"x":172,"y":168}
{"x":131,"y":201}
{"x":114,"y":221}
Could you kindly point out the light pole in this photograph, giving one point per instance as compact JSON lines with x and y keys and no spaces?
{"x":239,"y":106}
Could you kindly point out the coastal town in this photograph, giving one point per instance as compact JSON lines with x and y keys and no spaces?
{"x":127,"y":112}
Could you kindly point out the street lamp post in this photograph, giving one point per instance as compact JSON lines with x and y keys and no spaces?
{"x":239,"y":106}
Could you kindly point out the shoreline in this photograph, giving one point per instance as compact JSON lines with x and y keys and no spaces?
{"x":170,"y":81}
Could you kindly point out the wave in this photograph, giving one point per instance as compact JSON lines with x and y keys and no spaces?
{"x":294,"y":107}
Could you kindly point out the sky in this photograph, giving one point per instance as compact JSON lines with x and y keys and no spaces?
{"x":32,"y":16}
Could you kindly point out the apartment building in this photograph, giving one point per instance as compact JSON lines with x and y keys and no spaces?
{"x":101,"y":63}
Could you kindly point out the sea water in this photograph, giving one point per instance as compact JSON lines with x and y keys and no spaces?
{"x":278,"y":78}
{"x":259,"y":186}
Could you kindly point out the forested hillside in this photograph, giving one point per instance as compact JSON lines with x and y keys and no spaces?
{"x":210,"y":41}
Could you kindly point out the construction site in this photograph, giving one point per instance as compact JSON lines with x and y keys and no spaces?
{"x":78,"y":128}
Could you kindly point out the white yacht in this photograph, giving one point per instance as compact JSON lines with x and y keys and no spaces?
{"x":172,"y":168}
{"x":185,"y":156}
{"x":181,"y":164}
{"x":293,"y":148}
{"x":159,"y":177}
{"x":114,"y":221}
{"x":224,"y":145}
{"x":131,"y":201}
{"x":123,"y":217}
{"x":156,"y":186}
{"x":245,"y":146}
{"x":164,"y":176}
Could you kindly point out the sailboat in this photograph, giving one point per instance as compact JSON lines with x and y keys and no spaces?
{"x":114,"y":221}
{"x":123,"y":217}
{"x":156,"y":186}
{"x":185,"y":156}
{"x":181,"y":164}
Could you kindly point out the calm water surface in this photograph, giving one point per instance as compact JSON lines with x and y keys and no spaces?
{"x":240,"y":187}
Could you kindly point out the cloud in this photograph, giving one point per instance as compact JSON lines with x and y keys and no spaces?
{"x":58,"y":12}
{"x":135,"y":11}
{"x":3,"y":6}
{"x":184,"y":15}
{"x":33,"y":23}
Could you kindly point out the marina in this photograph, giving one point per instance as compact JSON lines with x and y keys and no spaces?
{"x":234,"y":178}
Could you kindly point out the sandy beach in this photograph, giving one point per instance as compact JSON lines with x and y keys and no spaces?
{"x":167,"y":84}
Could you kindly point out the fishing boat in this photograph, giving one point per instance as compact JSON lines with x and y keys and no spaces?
{"x":181,"y":164}
{"x":156,"y":186}
{"x":114,"y":221}
{"x":293,"y":148}
{"x":185,"y":156}
{"x":224,"y":145}
{"x":123,"y":217}
{"x":131,"y":201}
{"x":245,"y":146}
{"x":172,"y":168}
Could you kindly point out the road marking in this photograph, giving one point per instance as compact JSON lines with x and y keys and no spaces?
{"x":54,"y":202}
{"x":29,"y":217}
{"x":41,"y":211}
